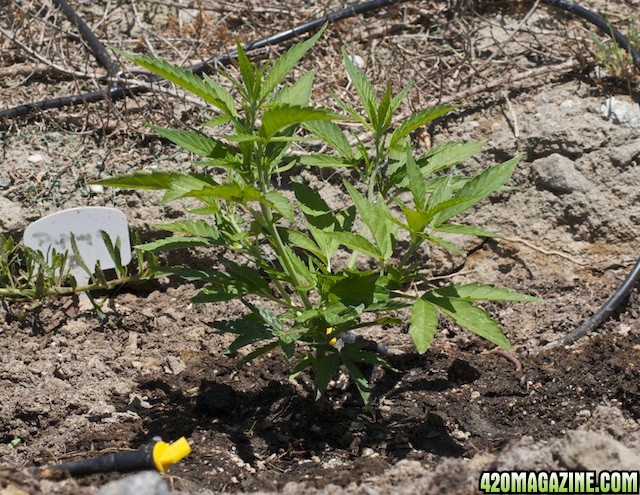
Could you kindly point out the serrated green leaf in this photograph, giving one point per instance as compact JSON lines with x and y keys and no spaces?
{"x":250,"y":74}
{"x":424,"y":323}
{"x":314,"y":208}
{"x":384,"y":112}
{"x":418,"y":119}
{"x":439,"y":241}
{"x":453,"y":228}
{"x":327,"y":161}
{"x":358,"y":355}
{"x":186,"y":186}
{"x":285,"y":63}
{"x":356,"y":288}
{"x":218,"y":120}
{"x":363,"y":87}
{"x":171,"y":243}
{"x":114,"y":252}
{"x":78,"y":259}
{"x":303,"y":241}
{"x":441,"y":196}
{"x":140,"y":180}
{"x":377,"y":219}
{"x":250,"y":277}
{"x":182,"y":185}
{"x":352,"y":112}
{"x":248,"y":329}
{"x":280,"y":203}
{"x":397,"y":100}
{"x":325,"y":369}
{"x":302,"y":365}
{"x":355,"y":242}
{"x":470,"y":317}
{"x":277,"y":118}
{"x":331,"y":134}
{"x":448,"y":155}
{"x":298,"y":93}
{"x":483,"y":292}
{"x":219,"y":293}
{"x":198,"y":228}
{"x":416,"y":182}
{"x":197,"y":143}
{"x":416,"y":220}
{"x":478,"y":188}
{"x":205,"y":88}
{"x":326,"y":243}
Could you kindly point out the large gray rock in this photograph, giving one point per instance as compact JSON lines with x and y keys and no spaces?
{"x":145,"y":483}
{"x":558,"y":174}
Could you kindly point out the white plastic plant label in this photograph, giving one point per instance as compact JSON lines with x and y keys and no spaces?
{"x":54,"y":232}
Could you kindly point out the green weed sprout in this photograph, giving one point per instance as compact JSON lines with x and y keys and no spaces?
{"x":279,"y":246}
{"x":30,"y":275}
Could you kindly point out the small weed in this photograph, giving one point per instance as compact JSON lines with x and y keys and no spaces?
{"x":27,"y":274}
{"x":283,"y":253}
{"x":617,"y":62}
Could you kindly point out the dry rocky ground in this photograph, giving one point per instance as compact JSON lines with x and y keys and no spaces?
{"x":72,"y":386}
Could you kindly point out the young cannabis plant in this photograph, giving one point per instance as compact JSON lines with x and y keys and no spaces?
{"x":281,"y":247}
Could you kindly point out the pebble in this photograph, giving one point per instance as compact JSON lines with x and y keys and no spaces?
{"x":367,"y":452}
{"x":5,"y":180}
{"x":96,"y":188}
{"x":35,"y":158}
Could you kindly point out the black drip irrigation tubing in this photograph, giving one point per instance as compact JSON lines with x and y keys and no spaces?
{"x":118,"y":92}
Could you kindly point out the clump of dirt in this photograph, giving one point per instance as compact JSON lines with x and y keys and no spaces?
{"x":73,"y":386}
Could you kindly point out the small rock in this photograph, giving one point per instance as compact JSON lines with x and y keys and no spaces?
{"x":35,"y":158}
{"x":621,"y":111}
{"x":5,"y":180}
{"x":626,"y":155}
{"x":558,"y":174}
{"x":96,"y":188}
{"x":176,"y":365}
{"x":12,"y":216}
{"x":357,"y":60}
{"x":145,"y":483}
{"x":367,"y":452}
{"x":567,"y":104}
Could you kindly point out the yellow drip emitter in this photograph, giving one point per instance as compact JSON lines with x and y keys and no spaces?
{"x":333,"y":340}
{"x":155,"y":455}
{"x":166,"y":454}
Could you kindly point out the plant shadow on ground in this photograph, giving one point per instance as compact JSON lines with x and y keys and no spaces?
{"x":277,"y":423}
{"x":255,"y":427}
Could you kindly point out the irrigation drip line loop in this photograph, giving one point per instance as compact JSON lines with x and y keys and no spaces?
{"x":117,"y":92}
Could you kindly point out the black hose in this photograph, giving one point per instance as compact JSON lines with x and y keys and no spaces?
{"x":603,"y":314}
{"x":118,"y":93}
{"x":98,"y":49}
{"x":619,"y":296}
{"x":599,"y":21}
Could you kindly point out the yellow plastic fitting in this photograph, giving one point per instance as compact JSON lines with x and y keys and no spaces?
{"x":333,"y":340}
{"x":165,"y":454}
